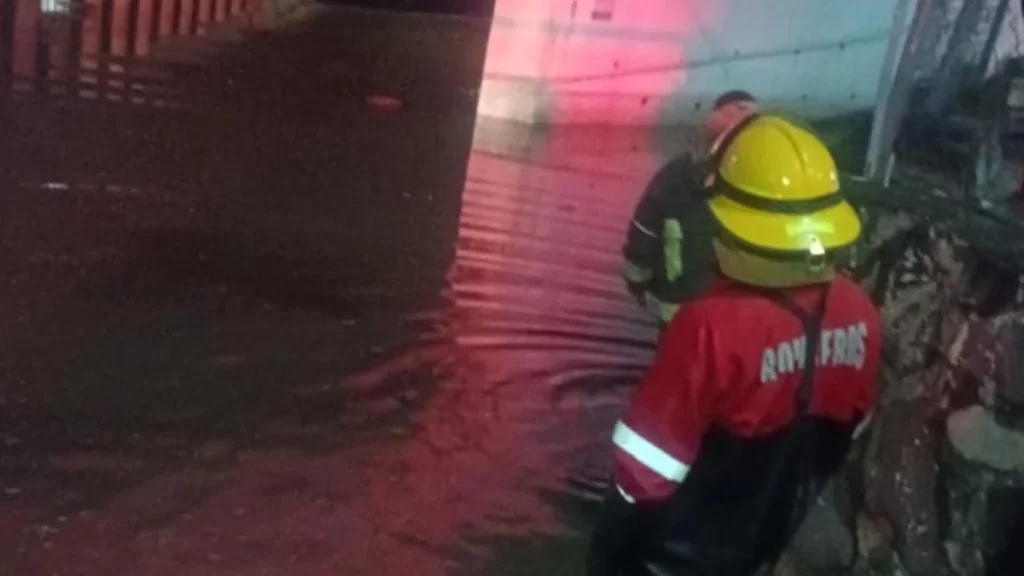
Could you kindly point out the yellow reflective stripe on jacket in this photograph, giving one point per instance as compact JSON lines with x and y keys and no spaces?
{"x":673,"y":248}
{"x":637,"y":274}
{"x":666,"y":311}
{"x":663,"y":311}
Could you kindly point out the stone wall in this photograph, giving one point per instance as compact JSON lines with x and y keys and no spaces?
{"x":937,"y":484}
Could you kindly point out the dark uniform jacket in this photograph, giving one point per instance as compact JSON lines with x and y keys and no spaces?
{"x":668,"y":257}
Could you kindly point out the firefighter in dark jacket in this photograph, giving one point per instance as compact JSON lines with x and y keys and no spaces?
{"x":734,"y":428}
{"x":667,"y":253}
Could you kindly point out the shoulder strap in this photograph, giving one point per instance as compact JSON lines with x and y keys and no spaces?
{"x":812,"y":323}
{"x":797,"y":449}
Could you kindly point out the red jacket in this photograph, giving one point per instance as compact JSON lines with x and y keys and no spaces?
{"x":731,"y":361}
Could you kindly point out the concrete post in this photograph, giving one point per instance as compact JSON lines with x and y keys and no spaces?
{"x":878,"y":159}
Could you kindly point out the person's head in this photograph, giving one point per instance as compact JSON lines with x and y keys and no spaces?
{"x":775,"y":195}
{"x":729,"y":109}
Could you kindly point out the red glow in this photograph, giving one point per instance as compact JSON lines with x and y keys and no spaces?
{"x":166,"y":18}
{"x":203,"y":17}
{"x":26,"y":34}
{"x":119,"y":25}
{"x":143,"y":39}
{"x":614,"y":71}
{"x":663,"y":61}
{"x":185,"y":19}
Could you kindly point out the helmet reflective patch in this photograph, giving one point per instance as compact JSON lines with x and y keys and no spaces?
{"x":816,"y":258}
{"x":816,"y":248}
{"x":807,"y":225}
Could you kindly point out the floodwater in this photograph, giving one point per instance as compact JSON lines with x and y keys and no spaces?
{"x":257,"y":324}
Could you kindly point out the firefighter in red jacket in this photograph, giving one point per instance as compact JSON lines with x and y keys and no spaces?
{"x":734,"y":429}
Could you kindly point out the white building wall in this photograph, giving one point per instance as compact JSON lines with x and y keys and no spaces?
{"x":1010,"y":42}
{"x":663,"y":61}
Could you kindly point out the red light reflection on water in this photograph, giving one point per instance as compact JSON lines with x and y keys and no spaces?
{"x":536,"y":307}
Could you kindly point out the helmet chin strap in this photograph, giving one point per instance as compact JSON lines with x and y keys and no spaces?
{"x":758,"y":270}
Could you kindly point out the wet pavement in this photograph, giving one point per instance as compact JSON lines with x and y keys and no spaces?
{"x":257,"y":325}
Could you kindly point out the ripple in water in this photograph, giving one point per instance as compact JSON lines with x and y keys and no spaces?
{"x":526,"y":365}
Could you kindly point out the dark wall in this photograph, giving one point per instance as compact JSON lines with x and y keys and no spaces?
{"x":463,"y":7}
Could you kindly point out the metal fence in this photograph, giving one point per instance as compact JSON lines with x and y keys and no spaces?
{"x":85,"y":48}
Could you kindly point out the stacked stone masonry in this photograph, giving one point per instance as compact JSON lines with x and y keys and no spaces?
{"x":938,"y":485}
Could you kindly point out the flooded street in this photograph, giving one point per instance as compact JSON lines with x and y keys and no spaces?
{"x":257,"y":322}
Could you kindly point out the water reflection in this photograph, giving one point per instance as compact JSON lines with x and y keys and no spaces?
{"x":528,"y":362}
{"x":267,"y":329}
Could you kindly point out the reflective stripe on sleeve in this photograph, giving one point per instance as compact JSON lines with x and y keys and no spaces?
{"x":666,"y":311}
{"x":654,"y":458}
{"x":625,"y":496}
{"x":863,"y":426}
{"x":662,"y":311}
{"x":636,"y":274}
{"x":644,"y":229}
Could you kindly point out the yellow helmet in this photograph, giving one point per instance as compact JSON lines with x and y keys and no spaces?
{"x":776,"y":192}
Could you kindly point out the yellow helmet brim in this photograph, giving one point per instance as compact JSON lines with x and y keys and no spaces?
{"x":833,"y":227}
